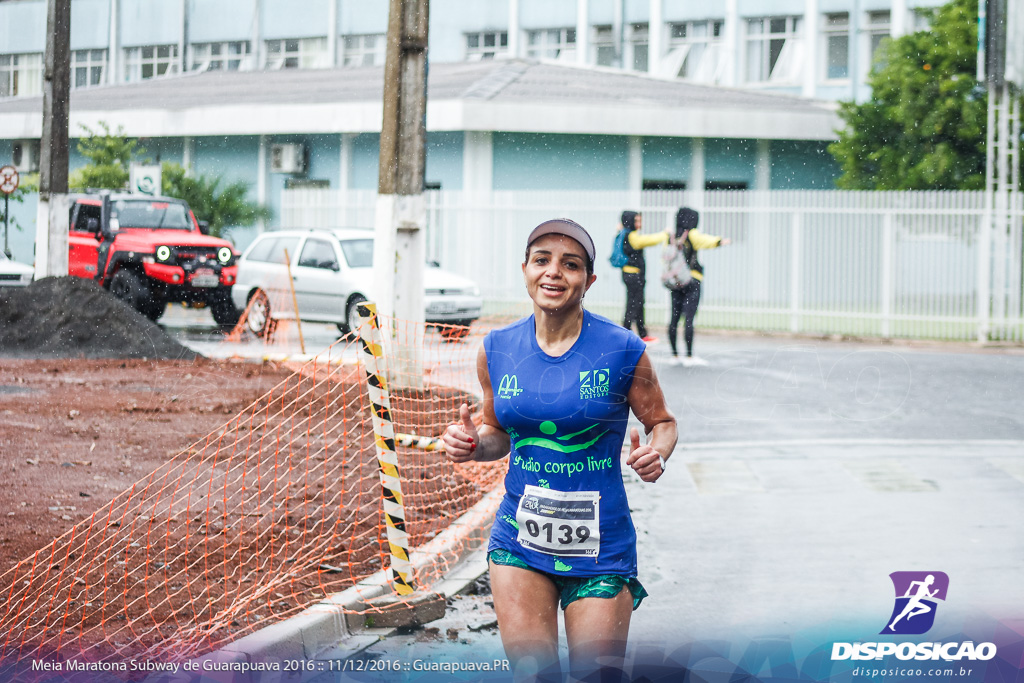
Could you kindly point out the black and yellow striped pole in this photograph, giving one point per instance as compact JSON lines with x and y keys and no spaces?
{"x":384,"y":442}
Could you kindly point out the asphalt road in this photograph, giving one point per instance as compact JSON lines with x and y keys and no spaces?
{"x":807,"y":472}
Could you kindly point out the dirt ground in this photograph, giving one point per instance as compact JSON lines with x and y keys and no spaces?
{"x":75,"y":433}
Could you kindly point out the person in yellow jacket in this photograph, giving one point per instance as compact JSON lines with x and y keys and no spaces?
{"x":689,"y":240}
{"x":634,"y":273}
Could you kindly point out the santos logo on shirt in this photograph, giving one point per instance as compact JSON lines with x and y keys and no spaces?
{"x":509,"y":387}
{"x":594,"y":383}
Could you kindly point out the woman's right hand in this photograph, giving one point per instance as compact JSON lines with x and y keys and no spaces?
{"x":461,"y":438}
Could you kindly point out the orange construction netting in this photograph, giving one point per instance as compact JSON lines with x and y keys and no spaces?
{"x":266,"y":516}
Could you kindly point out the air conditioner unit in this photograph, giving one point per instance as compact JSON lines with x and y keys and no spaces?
{"x":288,"y":158}
{"x":25,"y":155}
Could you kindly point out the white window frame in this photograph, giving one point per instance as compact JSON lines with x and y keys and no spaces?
{"x":835,"y":31}
{"x":877,"y":28}
{"x":696,"y":47}
{"x":638,"y":41}
{"x":89,"y":63}
{"x":296,"y":53}
{"x":365,"y":49}
{"x":162,"y":60}
{"x":551,"y":43}
{"x":498,"y":45}
{"x":232,"y":55}
{"x":759,"y":43}
{"x":21,"y":75}
{"x":602,"y":38}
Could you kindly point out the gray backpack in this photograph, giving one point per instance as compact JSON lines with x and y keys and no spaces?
{"x":675,"y":271}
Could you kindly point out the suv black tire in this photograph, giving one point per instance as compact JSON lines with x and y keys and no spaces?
{"x":154,"y":310}
{"x":127,"y":286}
{"x":223,"y":309}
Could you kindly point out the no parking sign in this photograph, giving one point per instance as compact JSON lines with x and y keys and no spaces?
{"x":8,"y":179}
{"x":8,"y":184}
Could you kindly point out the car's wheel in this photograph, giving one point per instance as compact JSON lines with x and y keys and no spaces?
{"x":130,"y":288}
{"x":154,"y":310}
{"x":258,"y":320}
{"x":223,"y":309}
{"x":351,"y":324}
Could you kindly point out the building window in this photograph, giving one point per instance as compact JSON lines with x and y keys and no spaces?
{"x":774,"y":49}
{"x":364,"y":50}
{"x":663,"y":185}
{"x":21,"y":75}
{"x":297,"y":53}
{"x":725,"y":185}
{"x":837,"y":46}
{"x":604,"y":46}
{"x":638,"y":46}
{"x":551,"y":43}
{"x":88,"y":67}
{"x":486,"y":45}
{"x":879,"y":26}
{"x":697,"y":47}
{"x":230,"y":56}
{"x":151,"y":61}
{"x":921,"y":19}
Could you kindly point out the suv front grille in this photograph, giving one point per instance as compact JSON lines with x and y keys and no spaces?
{"x":190,"y":254}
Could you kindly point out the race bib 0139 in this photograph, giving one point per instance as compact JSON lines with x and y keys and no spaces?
{"x":560,"y":522}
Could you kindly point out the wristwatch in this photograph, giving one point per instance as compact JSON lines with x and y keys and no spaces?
{"x":663,"y":461}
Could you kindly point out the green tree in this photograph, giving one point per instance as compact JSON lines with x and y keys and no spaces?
{"x":924,"y":126}
{"x":220,"y":205}
{"x":110,"y":155}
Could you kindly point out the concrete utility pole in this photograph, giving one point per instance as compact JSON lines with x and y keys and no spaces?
{"x":399,"y":252}
{"x":999,"y":63}
{"x":52,"y":214}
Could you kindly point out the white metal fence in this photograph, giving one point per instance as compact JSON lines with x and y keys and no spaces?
{"x":882,"y":264}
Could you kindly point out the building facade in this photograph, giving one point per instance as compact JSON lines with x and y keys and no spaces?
{"x":523,"y":95}
{"x":814,"y":48}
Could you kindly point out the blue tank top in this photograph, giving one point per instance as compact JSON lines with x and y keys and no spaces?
{"x":565,"y":509}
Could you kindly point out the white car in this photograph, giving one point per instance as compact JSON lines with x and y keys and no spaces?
{"x":14,"y":274}
{"x":332,"y":271}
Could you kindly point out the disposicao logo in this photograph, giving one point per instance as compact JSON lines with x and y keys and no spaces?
{"x":917,"y":598}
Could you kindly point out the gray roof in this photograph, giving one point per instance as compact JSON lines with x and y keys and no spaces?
{"x":499,"y":81}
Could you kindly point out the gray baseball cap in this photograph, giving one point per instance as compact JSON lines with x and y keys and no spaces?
{"x":569,"y":228}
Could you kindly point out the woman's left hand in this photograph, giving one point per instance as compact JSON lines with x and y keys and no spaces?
{"x":643,"y":458}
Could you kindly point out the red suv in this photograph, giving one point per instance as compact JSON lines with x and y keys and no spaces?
{"x":149,"y":251}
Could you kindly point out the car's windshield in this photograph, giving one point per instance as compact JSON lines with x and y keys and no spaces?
{"x":358,"y":253}
{"x":138,"y":213}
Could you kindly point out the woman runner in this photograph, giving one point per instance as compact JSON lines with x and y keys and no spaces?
{"x":558,"y":387}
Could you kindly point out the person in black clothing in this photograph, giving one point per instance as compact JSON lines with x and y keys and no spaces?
{"x":634,"y":273}
{"x":685,"y":301}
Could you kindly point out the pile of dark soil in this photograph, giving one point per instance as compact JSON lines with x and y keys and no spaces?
{"x":70,"y":317}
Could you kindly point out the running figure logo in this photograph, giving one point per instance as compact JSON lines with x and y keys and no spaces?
{"x":917,"y":594}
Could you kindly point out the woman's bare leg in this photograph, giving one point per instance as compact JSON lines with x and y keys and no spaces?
{"x":526,"y":604}
{"x":597,"y":629}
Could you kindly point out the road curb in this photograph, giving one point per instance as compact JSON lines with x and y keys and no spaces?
{"x":447,"y":563}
